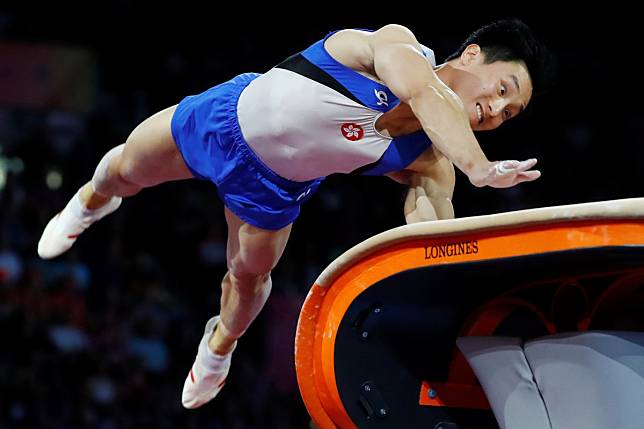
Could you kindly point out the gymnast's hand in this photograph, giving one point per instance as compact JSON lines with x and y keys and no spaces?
{"x":505,"y":174}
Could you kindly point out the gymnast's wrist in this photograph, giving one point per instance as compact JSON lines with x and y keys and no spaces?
{"x":477,"y":172}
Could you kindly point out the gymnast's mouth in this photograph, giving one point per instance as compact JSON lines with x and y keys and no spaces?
{"x":479,"y":113}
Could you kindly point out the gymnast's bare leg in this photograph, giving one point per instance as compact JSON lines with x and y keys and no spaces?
{"x":148,"y":157}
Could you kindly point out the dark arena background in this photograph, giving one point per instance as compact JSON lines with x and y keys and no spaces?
{"x":104,"y":336}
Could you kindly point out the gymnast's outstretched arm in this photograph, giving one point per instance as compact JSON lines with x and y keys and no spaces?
{"x":394,"y":55}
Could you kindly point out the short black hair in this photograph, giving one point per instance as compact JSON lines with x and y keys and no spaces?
{"x":512,"y":40}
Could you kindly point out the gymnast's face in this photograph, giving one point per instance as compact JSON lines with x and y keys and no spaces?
{"x":491,"y":93}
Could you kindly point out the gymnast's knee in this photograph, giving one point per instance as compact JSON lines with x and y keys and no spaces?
{"x":117,"y":175}
{"x":249,"y":284}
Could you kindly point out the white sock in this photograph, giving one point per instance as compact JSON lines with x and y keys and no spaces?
{"x":214,"y":361}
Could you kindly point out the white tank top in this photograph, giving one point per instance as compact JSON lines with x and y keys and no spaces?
{"x":311,"y":116}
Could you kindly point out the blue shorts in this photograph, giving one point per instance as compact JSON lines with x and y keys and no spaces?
{"x":206,"y":130}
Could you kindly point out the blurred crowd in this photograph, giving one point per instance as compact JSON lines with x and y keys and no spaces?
{"x":104,"y":336}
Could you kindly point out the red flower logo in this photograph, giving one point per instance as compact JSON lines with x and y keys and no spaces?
{"x":352,"y":132}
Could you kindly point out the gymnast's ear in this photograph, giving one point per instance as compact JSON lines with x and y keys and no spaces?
{"x":471,"y":54}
